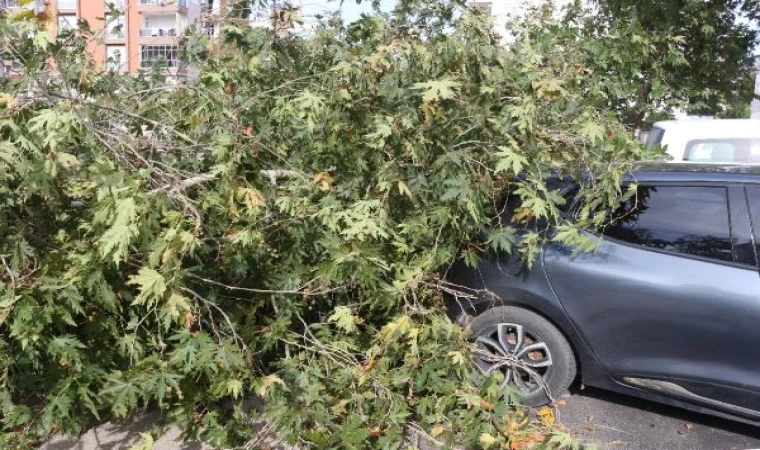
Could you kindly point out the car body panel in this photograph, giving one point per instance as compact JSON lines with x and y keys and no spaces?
{"x":646,"y":316}
{"x":685,"y":325}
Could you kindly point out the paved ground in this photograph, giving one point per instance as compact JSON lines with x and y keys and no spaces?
{"x":121,"y":436}
{"x":609,"y":421}
{"x":616,"y":422}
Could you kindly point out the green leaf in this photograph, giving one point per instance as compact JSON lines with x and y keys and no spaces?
{"x":151,"y":286}
{"x":114,"y":243}
{"x":510,"y":161}
{"x":436,"y":90}
{"x":502,"y":239}
{"x":344,"y":318}
{"x":234,"y":388}
{"x":592,"y":130}
{"x":42,"y":39}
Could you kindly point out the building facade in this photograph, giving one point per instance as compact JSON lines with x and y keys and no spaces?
{"x":130,"y":34}
{"x":135,"y":34}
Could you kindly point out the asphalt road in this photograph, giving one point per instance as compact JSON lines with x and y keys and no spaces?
{"x":616,"y":422}
{"x":608,"y":421}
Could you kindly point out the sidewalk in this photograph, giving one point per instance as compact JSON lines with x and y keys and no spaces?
{"x":122,"y":436}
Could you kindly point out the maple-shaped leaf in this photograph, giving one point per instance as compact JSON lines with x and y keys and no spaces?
{"x":592,"y":130}
{"x":115,"y":241}
{"x":510,"y":161}
{"x":151,"y":283}
{"x":438,"y":89}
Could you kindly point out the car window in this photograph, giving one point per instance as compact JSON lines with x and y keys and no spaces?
{"x":739,"y":150}
{"x":655,"y":137}
{"x":684,"y":219}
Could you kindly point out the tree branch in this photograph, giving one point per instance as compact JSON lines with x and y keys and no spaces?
{"x":273,"y":175}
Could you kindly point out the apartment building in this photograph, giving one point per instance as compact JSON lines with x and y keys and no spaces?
{"x":136,"y":34}
{"x":131,"y":34}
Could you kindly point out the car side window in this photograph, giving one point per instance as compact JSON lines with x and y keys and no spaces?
{"x":692,"y":220}
{"x":655,"y":137}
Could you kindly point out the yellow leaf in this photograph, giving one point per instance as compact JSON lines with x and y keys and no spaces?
{"x":324,"y":179}
{"x":522,"y":215}
{"x":486,"y":440}
{"x":437,"y":431}
{"x":547,"y":415}
{"x":7,"y":99}
{"x":457,"y":358}
{"x":513,"y":426}
{"x":252,"y":197}
{"x":146,"y":442}
{"x":403,"y":189}
{"x":269,"y":381}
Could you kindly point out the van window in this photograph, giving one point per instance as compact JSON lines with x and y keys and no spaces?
{"x":727,"y":150}
{"x":683,"y":219}
{"x":655,"y":137}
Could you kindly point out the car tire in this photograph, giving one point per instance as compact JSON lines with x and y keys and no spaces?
{"x":540,"y":348}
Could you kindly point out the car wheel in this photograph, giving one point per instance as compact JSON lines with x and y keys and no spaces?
{"x":530,"y":352}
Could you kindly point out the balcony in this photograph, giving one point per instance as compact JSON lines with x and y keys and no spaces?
{"x":115,"y":35}
{"x":158,"y":32}
{"x":158,"y":36}
{"x":162,"y":5}
{"x":66,"y":5}
{"x":182,"y":3}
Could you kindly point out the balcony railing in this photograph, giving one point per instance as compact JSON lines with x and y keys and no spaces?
{"x":157,"y":32}
{"x":160,"y":62}
{"x":182,"y":3}
{"x":115,"y":34}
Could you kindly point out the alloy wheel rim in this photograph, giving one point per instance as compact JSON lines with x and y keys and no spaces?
{"x":523,"y":359}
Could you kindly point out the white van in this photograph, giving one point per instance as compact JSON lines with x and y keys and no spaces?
{"x":708,"y":140}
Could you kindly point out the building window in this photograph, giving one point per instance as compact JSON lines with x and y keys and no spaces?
{"x":161,"y":55}
{"x":66,"y":23}
{"x":115,"y":28}
{"x":116,"y":57}
{"x":117,"y":5}
{"x":67,"y":4}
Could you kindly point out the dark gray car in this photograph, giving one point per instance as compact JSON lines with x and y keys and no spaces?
{"x":667,"y":308}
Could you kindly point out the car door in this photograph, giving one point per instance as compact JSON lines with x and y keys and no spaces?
{"x":670,"y":301}
{"x":753,"y":204}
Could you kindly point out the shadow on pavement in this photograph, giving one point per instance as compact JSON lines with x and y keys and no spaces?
{"x":121,"y":436}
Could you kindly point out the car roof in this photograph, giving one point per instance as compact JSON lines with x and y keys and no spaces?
{"x":667,"y":171}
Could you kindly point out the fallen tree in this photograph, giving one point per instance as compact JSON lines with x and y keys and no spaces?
{"x":281,"y":225}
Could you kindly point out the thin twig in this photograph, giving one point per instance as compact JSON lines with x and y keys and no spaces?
{"x":268,"y":291}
